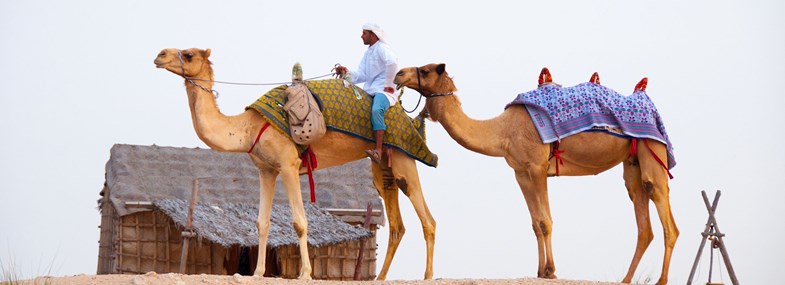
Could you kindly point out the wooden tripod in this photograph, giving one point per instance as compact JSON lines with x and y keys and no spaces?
{"x":712,"y":232}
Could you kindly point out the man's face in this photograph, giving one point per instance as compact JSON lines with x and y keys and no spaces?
{"x":368,"y":37}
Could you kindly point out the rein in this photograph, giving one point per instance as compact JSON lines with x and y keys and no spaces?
{"x":215,"y":92}
{"x":182,"y":66}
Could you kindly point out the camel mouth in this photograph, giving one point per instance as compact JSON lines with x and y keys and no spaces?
{"x":159,"y":64}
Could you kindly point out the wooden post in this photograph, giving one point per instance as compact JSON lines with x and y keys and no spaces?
{"x":188,"y":232}
{"x":358,"y":266}
{"x":712,"y":231}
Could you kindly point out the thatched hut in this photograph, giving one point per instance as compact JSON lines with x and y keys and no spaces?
{"x":147,"y":197}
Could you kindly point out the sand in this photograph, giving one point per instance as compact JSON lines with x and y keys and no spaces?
{"x":153,"y":278}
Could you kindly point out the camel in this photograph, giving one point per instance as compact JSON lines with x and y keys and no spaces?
{"x":513,"y":135}
{"x":275,"y":154}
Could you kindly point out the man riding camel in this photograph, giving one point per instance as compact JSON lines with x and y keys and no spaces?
{"x":377,"y":70}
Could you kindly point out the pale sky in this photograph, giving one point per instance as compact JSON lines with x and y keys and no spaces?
{"x":78,"y":77}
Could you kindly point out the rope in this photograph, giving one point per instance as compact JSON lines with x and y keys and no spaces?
{"x":415,"y":107}
{"x":256,"y":84}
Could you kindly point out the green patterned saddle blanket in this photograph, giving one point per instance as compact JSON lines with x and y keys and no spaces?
{"x":344,"y":112}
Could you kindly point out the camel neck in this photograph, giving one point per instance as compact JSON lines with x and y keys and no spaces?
{"x":480,"y":136}
{"x":218,"y":131}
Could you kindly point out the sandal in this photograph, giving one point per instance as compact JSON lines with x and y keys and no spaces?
{"x":374,"y":155}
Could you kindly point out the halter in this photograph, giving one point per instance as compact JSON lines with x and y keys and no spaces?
{"x":182,"y":66}
{"x":419,"y":88}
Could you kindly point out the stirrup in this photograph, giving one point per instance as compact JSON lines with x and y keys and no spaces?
{"x":375,"y":156}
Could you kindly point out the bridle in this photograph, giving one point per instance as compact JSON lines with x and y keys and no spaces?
{"x":182,"y":66}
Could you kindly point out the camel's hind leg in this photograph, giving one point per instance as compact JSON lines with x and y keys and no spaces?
{"x":655,"y":181}
{"x":534,"y":186}
{"x":408,"y":180}
{"x":640,"y":200}
{"x":389,"y":194}
{"x":404,"y":176}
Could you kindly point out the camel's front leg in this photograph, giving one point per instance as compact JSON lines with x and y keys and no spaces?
{"x":640,"y":200}
{"x":291,"y":181}
{"x":389,"y":194}
{"x":533,"y":184}
{"x":408,"y":180}
{"x":266,"y":194}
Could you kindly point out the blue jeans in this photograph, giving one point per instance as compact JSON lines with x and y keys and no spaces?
{"x":380,"y":105}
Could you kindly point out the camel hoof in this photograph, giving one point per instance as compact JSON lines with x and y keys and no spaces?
{"x":305,"y":277}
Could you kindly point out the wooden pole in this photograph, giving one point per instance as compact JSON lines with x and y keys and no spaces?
{"x":358,"y":266}
{"x":188,"y":232}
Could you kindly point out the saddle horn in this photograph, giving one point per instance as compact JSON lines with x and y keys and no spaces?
{"x":641,"y":86}
{"x":595,"y":78}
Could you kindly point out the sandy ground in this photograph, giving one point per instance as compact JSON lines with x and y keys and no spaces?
{"x":180,"y":279}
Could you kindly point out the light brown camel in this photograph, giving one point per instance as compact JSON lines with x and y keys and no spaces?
{"x":275,"y":154}
{"x":512,"y":135}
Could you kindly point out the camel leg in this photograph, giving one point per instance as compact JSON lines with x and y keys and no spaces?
{"x":640,"y":200}
{"x":533,"y":183}
{"x":390,"y":197}
{"x":291,"y":181}
{"x":266,"y":194}
{"x":408,"y":180}
{"x":655,"y":181}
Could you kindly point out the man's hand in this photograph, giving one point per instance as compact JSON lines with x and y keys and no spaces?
{"x":389,"y":90}
{"x":340,"y":71}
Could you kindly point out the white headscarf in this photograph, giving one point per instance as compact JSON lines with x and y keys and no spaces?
{"x":376,"y":29}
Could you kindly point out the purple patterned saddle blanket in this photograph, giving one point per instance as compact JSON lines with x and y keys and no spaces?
{"x":559,"y":112}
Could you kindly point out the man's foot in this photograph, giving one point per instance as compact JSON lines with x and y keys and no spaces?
{"x":375,"y":155}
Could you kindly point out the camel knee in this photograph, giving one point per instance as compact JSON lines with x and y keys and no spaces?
{"x":670,"y":238}
{"x":301,"y":228}
{"x":542,"y":228}
{"x":262,"y":226}
{"x":429,"y":231}
{"x":648,"y":186}
{"x":645,"y":237}
{"x":397,"y":233}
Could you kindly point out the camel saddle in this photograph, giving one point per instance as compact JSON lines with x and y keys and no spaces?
{"x":344,"y":112}
{"x":559,"y":112}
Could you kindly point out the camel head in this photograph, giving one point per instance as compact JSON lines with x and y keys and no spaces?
{"x":191,"y":62}
{"x":430,"y":80}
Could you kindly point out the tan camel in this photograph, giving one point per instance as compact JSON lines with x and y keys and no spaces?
{"x":512,"y":135}
{"x":275,"y":154}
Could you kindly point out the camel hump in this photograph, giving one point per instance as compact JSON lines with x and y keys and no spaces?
{"x":545,"y":76}
{"x":641,"y":86}
{"x":595,"y":78}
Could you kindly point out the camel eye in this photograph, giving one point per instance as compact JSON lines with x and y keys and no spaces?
{"x":188,"y":56}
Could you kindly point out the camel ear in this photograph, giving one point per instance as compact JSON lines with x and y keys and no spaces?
{"x":207,"y":53}
{"x":440,"y":68}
